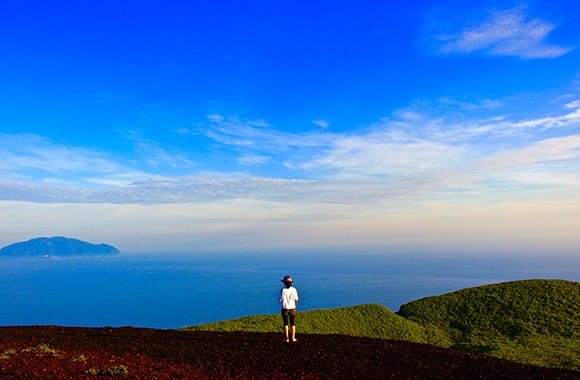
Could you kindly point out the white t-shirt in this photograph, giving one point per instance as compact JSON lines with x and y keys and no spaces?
{"x":288,"y":297}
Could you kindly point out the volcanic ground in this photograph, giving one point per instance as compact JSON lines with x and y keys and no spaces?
{"x":53,"y":352}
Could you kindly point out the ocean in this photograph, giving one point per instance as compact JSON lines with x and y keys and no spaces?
{"x":172,"y":291}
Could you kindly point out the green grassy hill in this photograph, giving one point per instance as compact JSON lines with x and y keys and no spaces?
{"x":532,"y":321}
{"x":373,"y":321}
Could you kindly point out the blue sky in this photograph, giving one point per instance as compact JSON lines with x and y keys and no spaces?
{"x":190,"y":126}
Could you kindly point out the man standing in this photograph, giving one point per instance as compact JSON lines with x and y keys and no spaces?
{"x":288,"y":299}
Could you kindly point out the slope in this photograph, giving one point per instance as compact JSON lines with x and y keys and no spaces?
{"x":530,"y":321}
{"x":373,"y":321}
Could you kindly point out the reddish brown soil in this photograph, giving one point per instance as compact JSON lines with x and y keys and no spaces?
{"x":50,"y":352}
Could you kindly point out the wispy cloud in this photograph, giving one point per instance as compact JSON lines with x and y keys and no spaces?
{"x":154,"y":155}
{"x":321,"y":123}
{"x":258,"y":135}
{"x":508,"y":33}
{"x":383,"y":153}
{"x":253,"y":159}
{"x":37,"y":159}
{"x":552,"y":149}
{"x":411,"y":155}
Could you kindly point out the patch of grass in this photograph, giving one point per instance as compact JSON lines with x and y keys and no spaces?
{"x":7,"y":353}
{"x":113,"y":371}
{"x":80,"y":358}
{"x":42,"y":349}
{"x":118,"y":370}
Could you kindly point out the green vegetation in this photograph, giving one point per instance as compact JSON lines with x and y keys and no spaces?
{"x":113,"y":371}
{"x":532,"y":321}
{"x":41,"y":350}
{"x":80,"y":358}
{"x":373,"y":321}
{"x":6,"y":354}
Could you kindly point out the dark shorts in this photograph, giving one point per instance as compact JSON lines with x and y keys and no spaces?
{"x":288,"y":316}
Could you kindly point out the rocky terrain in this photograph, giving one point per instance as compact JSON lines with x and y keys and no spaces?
{"x":52,"y":352}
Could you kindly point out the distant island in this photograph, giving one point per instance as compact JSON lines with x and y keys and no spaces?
{"x":56,"y":246}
